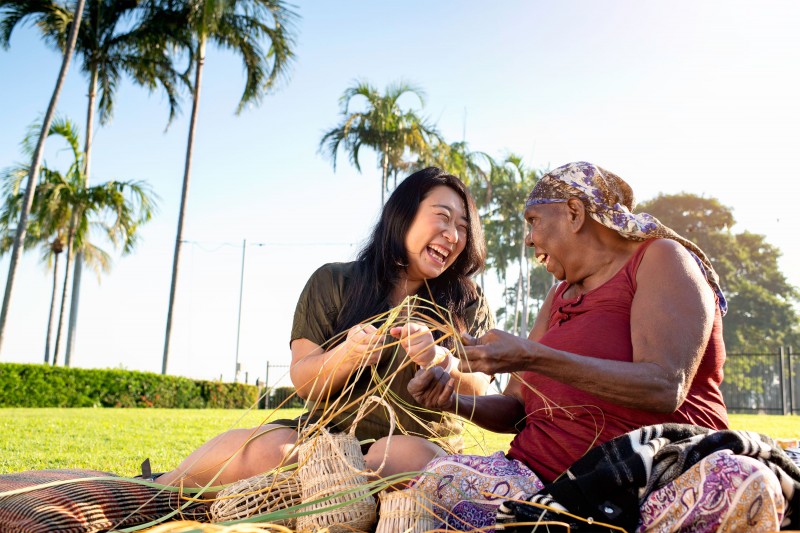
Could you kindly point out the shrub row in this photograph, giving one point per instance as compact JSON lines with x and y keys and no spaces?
{"x":24,"y":385}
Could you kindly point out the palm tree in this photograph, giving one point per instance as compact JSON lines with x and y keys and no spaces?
{"x":511,"y":180}
{"x":117,"y":37}
{"x":36,"y":159}
{"x":65,"y":209}
{"x":383,"y":126}
{"x":260,"y":31}
{"x":473,"y":167}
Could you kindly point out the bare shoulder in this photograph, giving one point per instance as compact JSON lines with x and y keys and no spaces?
{"x":667,"y":258}
{"x":668,"y":269}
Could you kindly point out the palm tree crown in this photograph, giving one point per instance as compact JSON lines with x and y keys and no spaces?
{"x":117,"y":37}
{"x":66,"y":209}
{"x":383,"y":126}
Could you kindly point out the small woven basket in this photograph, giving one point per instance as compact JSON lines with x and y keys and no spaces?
{"x":405,"y":511}
{"x":333,"y":468}
{"x":258,"y":495}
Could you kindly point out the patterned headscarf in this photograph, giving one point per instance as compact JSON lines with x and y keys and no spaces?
{"x":610,"y":201}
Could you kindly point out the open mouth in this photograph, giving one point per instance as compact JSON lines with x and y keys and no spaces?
{"x":438,"y":253}
{"x":542,"y":259}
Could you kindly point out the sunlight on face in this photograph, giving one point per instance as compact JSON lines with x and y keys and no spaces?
{"x":437,"y":235}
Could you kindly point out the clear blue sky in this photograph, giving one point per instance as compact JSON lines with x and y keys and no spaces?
{"x":673,"y":96}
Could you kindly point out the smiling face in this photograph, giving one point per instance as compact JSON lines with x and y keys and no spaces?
{"x":546,"y":227}
{"x":437,"y":235}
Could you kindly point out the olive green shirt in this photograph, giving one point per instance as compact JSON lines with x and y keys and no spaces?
{"x":315,"y":319}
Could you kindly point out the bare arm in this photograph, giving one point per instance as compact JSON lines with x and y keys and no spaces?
{"x":317,"y":373}
{"x":501,"y":413}
{"x":671,"y":319}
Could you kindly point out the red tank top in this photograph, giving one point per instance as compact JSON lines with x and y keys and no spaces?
{"x":565,"y":422}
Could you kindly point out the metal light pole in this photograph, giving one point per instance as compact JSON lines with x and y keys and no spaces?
{"x":239,"y":319}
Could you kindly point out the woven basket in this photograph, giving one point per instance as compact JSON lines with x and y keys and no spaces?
{"x":333,"y":467}
{"x":258,"y":495}
{"x":405,"y":511}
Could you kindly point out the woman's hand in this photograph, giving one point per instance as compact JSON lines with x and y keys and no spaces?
{"x":363,"y":346}
{"x":433,"y":389}
{"x":494,"y":353}
{"x":417,"y":340}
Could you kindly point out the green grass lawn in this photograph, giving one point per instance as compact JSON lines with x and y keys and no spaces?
{"x":118,"y":440}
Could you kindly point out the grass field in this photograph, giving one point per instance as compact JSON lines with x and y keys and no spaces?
{"x":118,"y":440}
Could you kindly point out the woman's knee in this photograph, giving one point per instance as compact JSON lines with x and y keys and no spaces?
{"x":271,"y":440}
{"x":401,"y":453}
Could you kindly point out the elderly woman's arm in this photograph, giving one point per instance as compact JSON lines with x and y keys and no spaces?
{"x":671,"y":320}
{"x":501,"y":413}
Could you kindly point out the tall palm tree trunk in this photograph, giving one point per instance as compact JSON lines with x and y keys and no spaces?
{"x":201,"y":53}
{"x":77,"y":274}
{"x":385,"y":174}
{"x":59,"y":327}
{"x":52,"y":311}
{"x":36,"y":164}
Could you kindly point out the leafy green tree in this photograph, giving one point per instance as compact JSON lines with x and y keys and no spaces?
{"x":457,"y":159}
{"x":761,"y":302}
{"x":65,"y":209}
{"x":502,"y":198}
{"x":6,"y":12}
{"x":117,"y":37}
{"x":260,"y":32}
{"x":381,"y":125}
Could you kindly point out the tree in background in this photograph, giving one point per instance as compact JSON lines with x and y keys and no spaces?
{"x":761,"y":311}
{"x":472,"y":167}
{"x":500,"y":189}
{"x":66,"y":215}
{"x":7,"y":13}
{"x":117,"y":37}
{"x":383,"y":126}
{"x":502,"y":199}
{"x":261,"y":33}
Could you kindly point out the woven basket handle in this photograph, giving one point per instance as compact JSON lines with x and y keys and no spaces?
{"x":362,"y":412}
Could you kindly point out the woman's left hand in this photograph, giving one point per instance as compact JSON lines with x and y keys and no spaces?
{"x":417,"y":340}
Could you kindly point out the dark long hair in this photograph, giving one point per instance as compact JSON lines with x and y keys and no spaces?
{"x":383,"y":260}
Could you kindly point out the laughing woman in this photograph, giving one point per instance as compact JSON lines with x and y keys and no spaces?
{"x":428,"y":242}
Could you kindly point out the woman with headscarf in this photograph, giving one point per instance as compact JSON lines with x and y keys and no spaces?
{"x":631,"y":336}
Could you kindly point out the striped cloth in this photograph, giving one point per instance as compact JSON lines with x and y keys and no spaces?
{"x":83,"y":506}
{"x":611,"y":481}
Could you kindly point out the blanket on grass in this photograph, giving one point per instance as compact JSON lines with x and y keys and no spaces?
{"x":611,"y":481}
{"x":81,"y":504}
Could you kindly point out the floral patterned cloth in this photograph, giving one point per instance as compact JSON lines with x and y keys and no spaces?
{"x":610,"y":201}
{"x":671,"y":477}
{"x":722,"y":493}
{"x":465,"y":490}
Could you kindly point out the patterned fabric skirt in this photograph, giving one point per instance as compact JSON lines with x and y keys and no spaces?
{"x":723,"y":493}
{"x":465,"y":491}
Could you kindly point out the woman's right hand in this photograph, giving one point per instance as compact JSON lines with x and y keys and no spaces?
{"x":363,"y":346}
{"x":494,"y":353}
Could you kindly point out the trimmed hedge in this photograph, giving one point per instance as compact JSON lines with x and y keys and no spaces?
{"x":47,"y":386}
{"x":285,"y":397}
